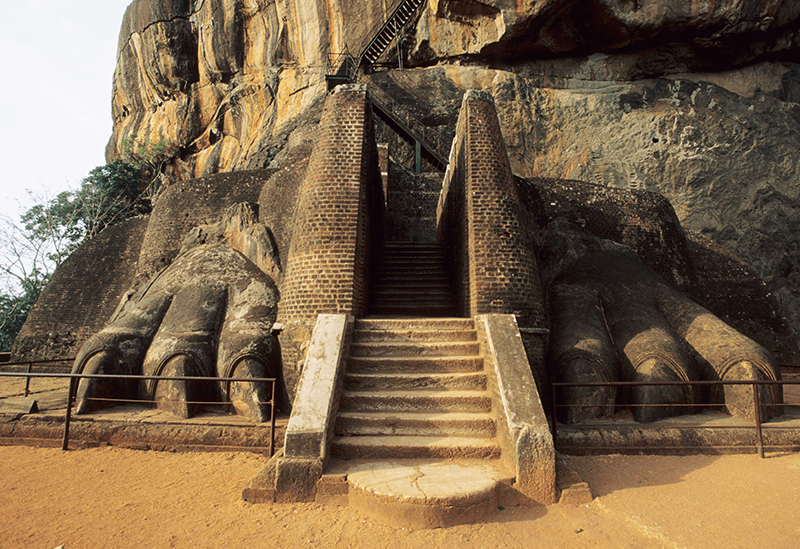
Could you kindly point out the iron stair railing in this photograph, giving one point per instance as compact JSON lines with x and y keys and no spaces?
{"x":343,"y":68}
{"x":414,"y":129}
{"x":377,"y":42}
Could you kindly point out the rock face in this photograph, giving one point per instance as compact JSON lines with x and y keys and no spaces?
{"x":695,"y":100}
{"x":661,"y":32}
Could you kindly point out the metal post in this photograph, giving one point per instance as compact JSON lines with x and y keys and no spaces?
{"x":28,"y":380}
{"x":70,"y":400}
{"x":398,"y":39}
{"x":759,"y":438}
{"x":272,"y":422}
{"x":554,"y":429}
{"x":417,"y":156}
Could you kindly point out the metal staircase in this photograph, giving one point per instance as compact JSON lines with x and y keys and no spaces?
{"x":377,"y":42}
{"x":344,"y":68}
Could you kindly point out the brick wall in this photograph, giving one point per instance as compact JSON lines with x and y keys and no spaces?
{"x":82,"y":294}
{"x":733,"y":291}
{"x":484,"y":222}
{"x":340,"y":206}
{"x":646,"y":223}
{"x":643,"y":221}
{"x":489,"y":233}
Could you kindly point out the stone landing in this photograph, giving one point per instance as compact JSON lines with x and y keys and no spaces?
{"x":421,"y":494}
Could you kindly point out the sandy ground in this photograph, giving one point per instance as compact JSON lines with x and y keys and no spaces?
{"x":114,"y":498}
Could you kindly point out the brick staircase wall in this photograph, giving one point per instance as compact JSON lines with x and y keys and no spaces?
{"x":411,"y":205}
{"x":340,"y":212}
{"x":483,"y":221}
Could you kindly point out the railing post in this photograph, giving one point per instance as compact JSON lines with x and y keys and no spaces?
{"x":28,"y":380}
{"x":757,"y":416}
{"x":70,"y":400}
{"x":272,"y":421}
{"x":554,"y":420}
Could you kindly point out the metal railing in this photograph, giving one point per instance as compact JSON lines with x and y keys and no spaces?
{"x":754,"y":383}
{"x":29,"y":364}
{"x":416,"y":130}
{"x":73,"y":387}
{"x":389,"y":28}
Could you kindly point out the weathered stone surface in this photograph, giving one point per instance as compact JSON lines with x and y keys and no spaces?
{"x":209,"y":314}
{"x":296,"y":479}
{"x":424,"y":495}
{"x":655,"y":34}
{"x":315,"y":405}
{"x":532,"y":449}
{"x":82,"y":294}
{"x":225,"y":79}
{"x":714,"y":129}
{"x":726,"y":162}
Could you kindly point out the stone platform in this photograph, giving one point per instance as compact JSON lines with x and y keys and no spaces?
{"x":418,"y":493}
{"x":710,"y":432}
{"x":135,"y":426}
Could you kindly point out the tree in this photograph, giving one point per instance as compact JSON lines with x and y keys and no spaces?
{"x":52,"y":229}
{"x":14,"y":309}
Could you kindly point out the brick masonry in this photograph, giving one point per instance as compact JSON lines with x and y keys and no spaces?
{"x":339,"y":208}
{"x":188,"y":204}
{"x":485,"y":225}
{"x":411,"y":204}
{"x":647,"y":225}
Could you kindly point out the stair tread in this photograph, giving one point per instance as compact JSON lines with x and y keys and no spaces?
{"x":415,"y":335}
{"x":424,"y":415}
{"x":428,"y":358}
{"x":419,"y":344}
{"x":416,"y":375}
{"x":415,"y":441}
{"x":420,"y":394}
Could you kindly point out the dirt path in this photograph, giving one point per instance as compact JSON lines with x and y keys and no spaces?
{"x":113,"y":498}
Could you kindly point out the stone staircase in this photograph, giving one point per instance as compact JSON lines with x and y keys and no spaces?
{"x":415,"y":437}
{"x":415,"y":388}
{"x":412,"y":280}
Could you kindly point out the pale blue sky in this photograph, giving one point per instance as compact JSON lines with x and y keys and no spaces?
{"x":57,"y":65}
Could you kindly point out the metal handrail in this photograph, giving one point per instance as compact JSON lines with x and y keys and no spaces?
{"x":29,"y":364}
{"x":74,"y":378}
{"x":378,"y":29}
{"x":754,"y":383}
{"x":413,"y":127}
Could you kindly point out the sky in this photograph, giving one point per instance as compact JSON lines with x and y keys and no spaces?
{"x":57,"y":66}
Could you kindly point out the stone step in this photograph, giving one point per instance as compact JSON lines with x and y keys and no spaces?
{"x":398,"y":257}
{"x":404,"y":245}
{"x":406,"y":292}
{"x":376,"y":335}
{"x":421,"y":281}
{"x":423,"y":364}
{"x":414,"y":447}
{"x":422,"y":495}
{"x":422,"y":401}
{"x":473,"y":381}
{"x":411,"y":265}
{"x":412,"y":310}
{"x":414,"y":349}
{"x":407,"y":303}
{"x":479,"y":425}
{"x":414,"y":324}
{"x":420,"y":249}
